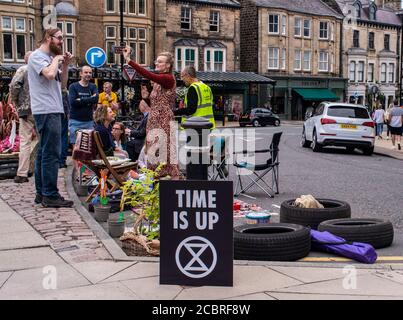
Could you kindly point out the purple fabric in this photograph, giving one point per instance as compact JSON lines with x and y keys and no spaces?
{"x":328,"y":242}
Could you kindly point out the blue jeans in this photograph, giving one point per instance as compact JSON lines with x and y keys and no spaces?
{"x":49,"y":127}
{"x":379,"y":129}
{"x":65,"y":140}
{"x":75,"y":125}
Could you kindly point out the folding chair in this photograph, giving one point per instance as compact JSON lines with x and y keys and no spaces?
{"x":219,"y":168}
{"x":260,"y":170}
{"x":117,"y":172}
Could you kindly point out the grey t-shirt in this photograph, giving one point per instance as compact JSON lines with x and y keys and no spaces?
{"x":46,"y":95}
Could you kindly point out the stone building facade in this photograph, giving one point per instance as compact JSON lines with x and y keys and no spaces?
{"x":298,"y":44}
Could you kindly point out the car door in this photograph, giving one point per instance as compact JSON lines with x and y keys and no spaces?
{"x":266,"y":116}
{"x":313,"y":121}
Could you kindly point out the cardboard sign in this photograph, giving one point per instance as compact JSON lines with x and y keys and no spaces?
{"x":196,"y":233}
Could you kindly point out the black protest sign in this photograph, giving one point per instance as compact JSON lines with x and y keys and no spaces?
{"x":196,"y":233}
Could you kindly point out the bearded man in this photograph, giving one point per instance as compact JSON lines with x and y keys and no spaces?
{"x":47,"y":72}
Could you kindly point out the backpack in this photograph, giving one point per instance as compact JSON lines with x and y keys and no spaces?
{"x":85,"y":147}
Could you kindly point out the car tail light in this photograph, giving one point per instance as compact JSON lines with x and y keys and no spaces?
{"x":369,"y":124}
{"x":327,"y":121}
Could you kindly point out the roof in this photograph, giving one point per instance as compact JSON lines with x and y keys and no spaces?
{"x":384,"y":15}
{"x":235,"y":77}
{"x":185,"y":43}
{"x":311,"y":7}
{"x":225,"y":3}
{"x":66,"y":8}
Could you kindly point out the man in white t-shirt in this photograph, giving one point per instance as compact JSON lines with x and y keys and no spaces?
{"x":396,"y":122}
{"x":379,"y":118}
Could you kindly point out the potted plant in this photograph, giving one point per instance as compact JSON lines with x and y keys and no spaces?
{"x":103,"y":208}
{"x":81,"y":188}
{"x":143,"y":195}
{"x":116,"y":227}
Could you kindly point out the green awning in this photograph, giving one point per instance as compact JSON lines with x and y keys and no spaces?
{"x":319,"y":94}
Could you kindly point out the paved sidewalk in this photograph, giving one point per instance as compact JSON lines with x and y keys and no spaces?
{"x":384,"y":146}
{"x":38,"y":261}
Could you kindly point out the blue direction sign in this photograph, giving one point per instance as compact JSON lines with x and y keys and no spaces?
{"x":95,"y":57}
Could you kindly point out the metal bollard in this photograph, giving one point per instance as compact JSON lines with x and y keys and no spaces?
{"x":197,"y":143}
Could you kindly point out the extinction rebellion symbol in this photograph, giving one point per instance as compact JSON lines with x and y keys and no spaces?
{"x":196,"y":257}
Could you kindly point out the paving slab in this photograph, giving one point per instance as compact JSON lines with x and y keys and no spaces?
{"x":6,"y":213}
{"x":28,"y":258}
{"x":40,"y":280}
{"x":150,"y":289}
{"x":107,"y":291}
{"x":139,"y":270}
{"x":396,"y":276}
{"x":247,"y":280}
{"x":308,"y":296}
{"x":3,"y":277}
{"x":370,"y":285}
{"x":19,"y":240}
{"x":255,"y":296}
{"x":308,"y":275}
{"x":96,"y":271}
{"x":11,"y":226}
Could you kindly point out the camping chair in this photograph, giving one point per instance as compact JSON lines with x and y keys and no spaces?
{"x":258,"y":171}
{"x":219,"y":168}
{"x":117,"y":172}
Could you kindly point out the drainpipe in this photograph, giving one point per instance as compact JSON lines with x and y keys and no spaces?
{"x":401,"y":63}
{"x":42,"y":14}
{"x":341,"y":59}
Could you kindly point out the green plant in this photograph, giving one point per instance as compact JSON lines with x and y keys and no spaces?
{"x":144,"y":194}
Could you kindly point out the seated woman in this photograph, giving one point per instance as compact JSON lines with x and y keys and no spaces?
{"x":103,"y":117}
{"x":119,"y":135}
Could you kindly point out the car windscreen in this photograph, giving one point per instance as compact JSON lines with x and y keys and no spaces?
{"x":347,"y":112}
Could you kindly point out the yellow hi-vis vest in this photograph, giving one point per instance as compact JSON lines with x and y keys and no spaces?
{"x":204,"y":103}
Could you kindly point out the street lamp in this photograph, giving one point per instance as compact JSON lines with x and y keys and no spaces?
{"x":400,"y":74}
{"x":122,"y":80}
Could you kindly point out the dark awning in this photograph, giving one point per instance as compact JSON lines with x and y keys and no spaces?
{"x":317,"y":94}
{"x":235,"y":77}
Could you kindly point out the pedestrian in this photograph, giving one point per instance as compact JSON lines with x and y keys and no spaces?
{"x":19,"y":93}
{"x":396,"y":123}
{"x":65,"y":129}
{"x":386,"y":116}
{"x":379,"y":118}
{"x":45,"y":79}
{"x":109,"y":98}
{"x":198,"y":99}
{"x":138,"y":135}
{"x":83,"y":97}
{"x":160,"y":145}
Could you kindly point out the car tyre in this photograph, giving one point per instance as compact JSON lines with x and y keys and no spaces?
{"x":316,"y":147}
{"x":378,"y":233}
{"x":271,"y":242}
{"x":277,"y":123}
{"x":305,"y":143}
{"x":255,"y":123}
{"x":368,"y":151}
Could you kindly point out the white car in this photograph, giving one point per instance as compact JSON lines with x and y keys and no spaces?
{"x":339,"y":124}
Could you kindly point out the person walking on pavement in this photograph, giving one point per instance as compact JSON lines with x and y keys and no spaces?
{"x":379,"y":118}
{"x":19,"y":92}
{"x":386,"y":116}
{"x":45,"y":80}
{"x":198,"y":100}
{"x":396,"y":123}
{"x":83,"y":97}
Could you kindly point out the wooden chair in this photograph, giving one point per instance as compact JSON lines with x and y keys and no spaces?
{"x":117,"y":172}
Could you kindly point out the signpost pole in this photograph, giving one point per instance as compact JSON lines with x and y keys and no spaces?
{"x":122,"y":83}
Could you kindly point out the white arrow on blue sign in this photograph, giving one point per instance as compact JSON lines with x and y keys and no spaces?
{"x":95,"y":57}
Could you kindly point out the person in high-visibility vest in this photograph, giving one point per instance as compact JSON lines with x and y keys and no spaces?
{"x":198,"y":100}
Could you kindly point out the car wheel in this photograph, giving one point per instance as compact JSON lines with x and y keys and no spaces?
{"x":316,"y":147}
{"x":277,"y":123}
{"x":304,"y":143}
{"x":350,"y":149}
{"x":255,"y":123}
{"x":368,"y":151}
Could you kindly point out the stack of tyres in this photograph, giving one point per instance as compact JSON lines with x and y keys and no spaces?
{"x":8,"y":167}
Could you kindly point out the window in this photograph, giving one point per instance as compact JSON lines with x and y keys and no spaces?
{"x":110,"y":5}
{"x":7,"y":23}
{"x":8,"y":46}
{"x":179,"y":59}
{"x":273,"y":23}
{"x":214,"y":21}
{"x":142,"y":34}
{"x":357,"y":10}
{"x":214,"y":60}
{"x":356,"y":39}
{"x":297,"y":27}
{"x":387,"y":42}
{"x":361,"y":71}
{"x":110,"y":32}
{"x":20,"y":46}
{"x":218,"y":61}
{"x":142,"y":7}
{"x":109,"y":52}
{"x":371,"y":40}
{"x":20,"y":24}
{"x":273,"y":58}
{"x":60,"y":26}
{"x":186,"y":15}
{"x":347,"y":112}
{"x":370,"y":72}
{"x":323,"y":30}
{"x":132,"y":33}
{"x":352,"y":71}
{"x":133,"y":46}
{"x":70,"y":44}
{"x":189,"y":57}
{"x":297,"y":60}
{"x":391,"y":73}
{"x":307,"y":60}
{"x":383,"y":72}
{"x":69,"y":28}
{"x":283,"y":25}
{"x":283,"y":58}
{"x":323,"y":61}
{"x":307,"y":28}
{"x":372,"y":12}
{"x":31,"y":25}
{"x":142,"y":53}
{"x":132,"y":6}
